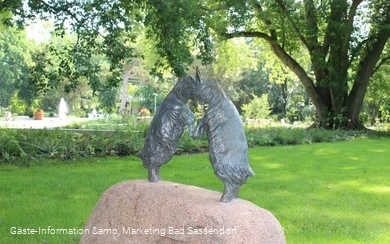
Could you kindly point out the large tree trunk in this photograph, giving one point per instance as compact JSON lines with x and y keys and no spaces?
{"x":366,"y":67}
{"x":300,"y":72}
{"x":333,"y":107}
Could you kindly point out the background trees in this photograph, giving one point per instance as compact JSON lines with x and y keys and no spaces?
{"x":14,"y":60}
{"x":332,"y":47}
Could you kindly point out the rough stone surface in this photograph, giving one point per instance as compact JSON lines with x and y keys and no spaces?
{"x":142,"y":212}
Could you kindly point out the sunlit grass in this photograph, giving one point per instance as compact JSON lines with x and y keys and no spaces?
{"x":320,"y":193}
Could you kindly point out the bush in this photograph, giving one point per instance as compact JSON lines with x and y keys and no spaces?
{"x":144,"y":112}
{"x":258,"y":108}
{"x":35,"y":144}
{"x":128,"y":135}
{"x":275,"y":136}
{"x":189,"y":145}
{"x":80,"y":113}
{"x":17,"y":105}
{"x":387,"y":127}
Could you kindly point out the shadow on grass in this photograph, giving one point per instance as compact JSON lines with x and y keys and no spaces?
{"x":326,"y":193}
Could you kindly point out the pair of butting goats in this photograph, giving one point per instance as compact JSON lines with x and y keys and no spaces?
{"x":228,"y":150}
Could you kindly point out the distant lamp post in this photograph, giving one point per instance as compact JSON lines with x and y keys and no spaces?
{"x":155,"y":102}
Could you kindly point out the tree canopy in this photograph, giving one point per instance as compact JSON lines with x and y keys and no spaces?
{"x":343,"y":41}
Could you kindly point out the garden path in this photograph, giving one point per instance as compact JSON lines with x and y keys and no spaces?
{"x":24,"y":122}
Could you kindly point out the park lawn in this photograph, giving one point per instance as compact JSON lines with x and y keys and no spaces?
{"x":320,"y":193}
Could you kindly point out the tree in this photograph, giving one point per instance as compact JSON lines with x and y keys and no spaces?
{"x":343,"y":51}
{"x":233,"y":60}
{"x":148,"y":93}
{"x":108,"y":100}
{"x":258,"y":108}
{"x":343,"y":39}
{"x":7,"y":8}
{"x":100,"y":28}
{"x":14,"y":61}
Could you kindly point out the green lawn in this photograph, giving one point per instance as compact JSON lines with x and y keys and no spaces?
{"x":320,"y":193}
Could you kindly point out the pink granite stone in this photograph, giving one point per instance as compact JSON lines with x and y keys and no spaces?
{"x":142,"y":212}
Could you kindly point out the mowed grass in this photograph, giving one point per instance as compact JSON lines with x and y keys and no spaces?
{"x":320,"y":193}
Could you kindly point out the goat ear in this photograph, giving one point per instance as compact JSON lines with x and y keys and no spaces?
{"x":197,"y":76}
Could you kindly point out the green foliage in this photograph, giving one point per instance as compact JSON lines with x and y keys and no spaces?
{"x":17,"y":105}
{"x":276,"y":136}
{"x":7,"y":11}
{"x":146,"y":93}
{"x":14,"y":62}
{"x":110,"y":30}
{"x":377,"y":101}
{"x":117,"y":135}
{"x":328,"y":46}
{"x":102,"y":29}
{"x":23,"y":146}
{"x":188,"y":145}
{"x":229,"y":53}
{"x":258,"y":108}
{"x":238,"y":81}
{"x":177,"y":29}
{"x":108,"y":100}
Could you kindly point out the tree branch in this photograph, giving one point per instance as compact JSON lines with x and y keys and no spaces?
{"x":295,"y":67}
{"x":266,"y":21}
{"x":365,"y":70}
{"x":219,"y":8}
{"x":297,"y":30}
{"x":55,"y":10}
{"x":285,"y":58}
{"x":334,"y":17}
{"x":357,"y":49}
{"x":351,"y":15}
{"x":255,"y":34}
{"x":312,"y":23}
{"x":383,"y":61}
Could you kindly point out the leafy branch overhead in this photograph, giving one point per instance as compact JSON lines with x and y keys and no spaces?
{"x":333,"y":47}
{"x":109,"y":29}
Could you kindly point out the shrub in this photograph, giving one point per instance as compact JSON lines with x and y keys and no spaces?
{"x":144,"y":112}
{"x":17,"y":105}
{"x":387,"y":127}
{"x":258,"y":108}
{"x":320,"y":135}
{"x":189,"y":145}
{"x":128,"y":135}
